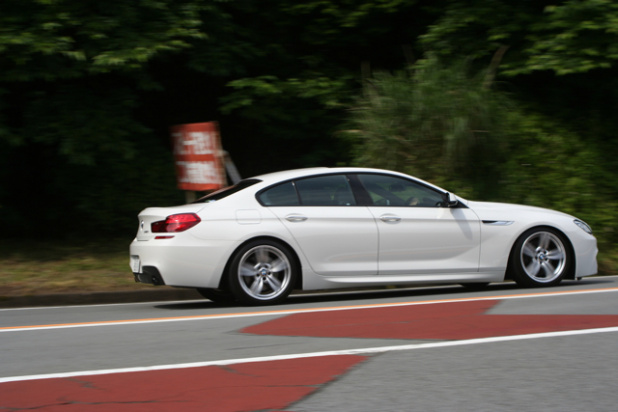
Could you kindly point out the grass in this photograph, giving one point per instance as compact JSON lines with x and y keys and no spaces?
{"x":37,"y":267}
{"x":43,"y":267}
{"x":608,"y":260}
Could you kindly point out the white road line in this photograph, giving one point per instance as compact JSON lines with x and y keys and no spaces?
{"x":283,"y":312}
{"x":360,"y":351}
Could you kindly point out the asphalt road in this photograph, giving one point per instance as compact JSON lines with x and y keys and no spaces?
{"x":422,"y":349}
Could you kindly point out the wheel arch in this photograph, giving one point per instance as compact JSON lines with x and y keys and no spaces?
{"x":299,"y":280}
{"x":567,"y":243}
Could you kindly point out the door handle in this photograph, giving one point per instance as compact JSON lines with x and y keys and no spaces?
{"x":390,"y":218}
{"x":295,"y":218}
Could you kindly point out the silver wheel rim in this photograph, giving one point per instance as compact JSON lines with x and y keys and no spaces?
{"x":543,"y":257}
{"x":264,"y":272}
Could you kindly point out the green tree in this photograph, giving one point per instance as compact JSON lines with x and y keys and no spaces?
{"x":568,"y":36}
{"x":51,"y":39}
{"x":69,"y":94}
{"x":307,"y":60}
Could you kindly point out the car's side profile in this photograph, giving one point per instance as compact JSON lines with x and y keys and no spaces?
{"x":324,"y":228}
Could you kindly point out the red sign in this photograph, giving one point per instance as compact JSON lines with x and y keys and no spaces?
{"x":198,"y":156}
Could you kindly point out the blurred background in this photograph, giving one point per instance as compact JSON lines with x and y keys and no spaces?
{"x":504,"y":100}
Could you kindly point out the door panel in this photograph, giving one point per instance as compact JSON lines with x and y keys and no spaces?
{"x":337,"y":237}
{"x":427,"y":240}
{"x":336,"y":241}
{"x":417,"y":232}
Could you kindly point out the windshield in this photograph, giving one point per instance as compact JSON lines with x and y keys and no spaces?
{"x":226,"y":191}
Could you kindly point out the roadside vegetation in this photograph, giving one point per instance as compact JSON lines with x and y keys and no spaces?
{"x":44,"y":267}
{"x":494,"y":100}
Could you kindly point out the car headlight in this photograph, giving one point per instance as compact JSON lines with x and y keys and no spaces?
{"x":583,"y":226}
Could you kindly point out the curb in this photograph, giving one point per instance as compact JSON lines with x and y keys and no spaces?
{"x":160,"y":294}
{"x":94,"y":298}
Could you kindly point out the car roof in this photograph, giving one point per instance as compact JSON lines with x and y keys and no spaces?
{"x":290,"y":174}
{"x":280,"y":176}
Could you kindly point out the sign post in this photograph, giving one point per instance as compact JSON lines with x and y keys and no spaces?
{"x":198,"y":157}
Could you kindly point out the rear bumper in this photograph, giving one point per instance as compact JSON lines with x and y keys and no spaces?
{"x":181,"y":261}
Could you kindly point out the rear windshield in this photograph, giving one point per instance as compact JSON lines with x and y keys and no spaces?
{"x":226,"y":191}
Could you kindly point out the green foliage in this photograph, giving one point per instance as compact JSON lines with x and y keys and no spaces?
{"x":45,"y":39}
{"x":295,"y":115}
{"x":573,"y":37}
{"x":569,"y":36}
{"x":89,"y":89}
{"x":312,"y":50}
{"x":325,"y":91}
{"x":552,"y":167}
{"x":442,"y":124}
{"x":478,"y":28}
{"x":82,"y":123}
{"x":31,"y":267}
{"x":70,"y":79}
{"x":346,"y":13}
{"x":430,"y":121}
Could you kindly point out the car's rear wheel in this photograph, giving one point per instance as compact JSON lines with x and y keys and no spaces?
{"x":541,"y":257}
{"x":262,"y":272}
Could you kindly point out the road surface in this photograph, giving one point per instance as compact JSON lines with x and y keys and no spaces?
{"x":418,"y":349}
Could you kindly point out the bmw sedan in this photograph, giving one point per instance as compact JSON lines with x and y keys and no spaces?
{"x":327,"y":228}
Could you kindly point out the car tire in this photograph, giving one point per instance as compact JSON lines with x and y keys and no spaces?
{"x":217,"y":296}
{"x":262,"y":272}
{"x":541,"y":257}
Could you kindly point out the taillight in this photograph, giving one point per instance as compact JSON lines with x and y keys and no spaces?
{"x":176,"y":223}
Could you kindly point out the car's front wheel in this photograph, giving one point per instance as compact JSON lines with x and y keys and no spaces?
{"x":541,"y":257}
{"x":262,"y":272}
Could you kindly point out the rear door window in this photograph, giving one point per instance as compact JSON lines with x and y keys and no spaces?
{"x":280,"y":195}
{"x":333,"y":190}
{"x":330,"y":190}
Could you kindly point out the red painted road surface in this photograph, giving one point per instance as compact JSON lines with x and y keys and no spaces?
{"x":275,"y":385}
{"x":263,"y":386}
{"x":445,"y":321}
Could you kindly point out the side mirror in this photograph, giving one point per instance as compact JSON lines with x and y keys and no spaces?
{"x":450,"y":200}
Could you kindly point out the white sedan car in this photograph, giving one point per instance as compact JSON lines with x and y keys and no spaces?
{"x":327,"y":228}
